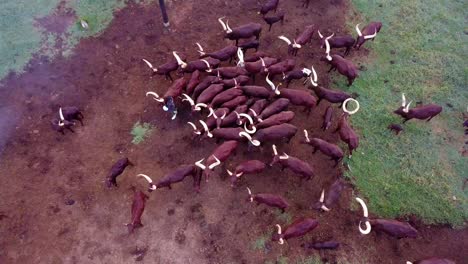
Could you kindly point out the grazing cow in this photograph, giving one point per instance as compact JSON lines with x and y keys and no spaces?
{"x":242,"y":32}
{"x":333,"y":195}
{"x":60,"y":126}
{"x":296,"y":165}
{"x":301,"y":40}
{"x":116,"y":170}
{"x":395,"y":128}
{"x":327,"y":118}
{"x":220,"y":154}
{"x":432,"y":261}
{"x":138,"y":206}
{"x":346,"y":41}
{"x":71,"y":113}
{"x":268,"y":6}
{"x":270,"y":20}
{"x":321,"y":245}
{"x":178,"y":175}
{"x":300,"y":98}
{"x":268,"y":199}
{"x":347,"y":134}
{"x":332,"y":96}
{"x":223,"y":54}
{"x":298,"y":228}
{"x":420,"y":112}
{"x":277,"y":106}
{"x":246,"y":167}
{"x":369,"y":32}
{"x":345,"y":67}
{"x":331,"y":150}
{"x":394,"y":228}
{"x":276,"y":119}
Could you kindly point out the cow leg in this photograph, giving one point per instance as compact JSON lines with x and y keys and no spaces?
{"x":170,"y":77}
{"x":237,"y":42}
{"x":319,"y":100}
{"x":350,"y":81}
{"x":406,"y":120}
{"x":314,"y":150}
{"x":69,"y":128}
{"x":429,"y":119}
{"x":230,"y":59}
{"x":269,"y":27}
{"x":331,"y":68}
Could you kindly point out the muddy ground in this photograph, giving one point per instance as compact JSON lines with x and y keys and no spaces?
{"x":53,"y":204}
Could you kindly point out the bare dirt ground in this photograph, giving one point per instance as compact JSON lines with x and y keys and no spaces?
{"x":53,"y":204}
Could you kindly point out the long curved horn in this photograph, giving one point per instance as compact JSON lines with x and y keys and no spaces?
{"x":229,"y":30}
{"x":212,"y":113}
{"x":61,"y":114}
{"x":358,"y":30}
{"x":367,"y":230}
{"x":208,"y":65}
{"x":314,"y":73}
{"x":194,"y":128}
{"x":295,"y":45}
{"x":275,"y":152}
{"x":205,"y":127}
{"x":240,"y":55}
{"x":254,"y":142}
{"x":263,"y":62}
{"x":248,"y":117}
{"x":371,"y":36}
{"x":285,"y":39}
{"x":253,"y":112}
{"x":306,"y":134}
{"x":279,"y":229}
{"x":322,"y":196}
{"x":188,"y":98}
{"x":250,"y":195}
{"x":224,"y":115}
{"x":155,"y":96}
{"x":280,"y":241}
{"x":284,"y":156}
{"x":346,"y":110}
{"x":200,"y":165}
{"x":200,"y":49}
{"x":229,"y":172}
{"x":406,"y":110}
{"x":222,"y":23}
{"x":150,"y":65}
{"x":197,"y":106}
{"x":364,"y":207}
{"x":179,"y":60}
{"x":323,"y":207}
{"x":238,"y":118}
{"x":320,"y":35}
{"x":254,"y":129}
{"x":272,"y":85}
{"x":153,"y":187}
{"x":216,"y":163}
{"x":403,"y":100}
{"x":327,"y":50}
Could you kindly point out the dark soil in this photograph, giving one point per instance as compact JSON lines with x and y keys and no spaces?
{"x":54,"y":207}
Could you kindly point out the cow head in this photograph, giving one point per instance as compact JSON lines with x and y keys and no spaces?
{"x":404,"y":108}
{"x":363,"y":38}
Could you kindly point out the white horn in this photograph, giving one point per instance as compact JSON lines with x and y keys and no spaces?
{"x":295,"y":45}
{"x":254,"y":129}
{"x":194,"y":128}
{"x":263,"y":62}
{"x":403,"y":100}
{"x":212,"y":113}
{"x":188,"y":98}
{"x":179,"y":60}
{"x":320,"y":35}
{"x":222,"y":23}
{"x":61,"y":114}
{"x":284,"y":156}
{"x":229,"y":30}
{"x":275,"y":152}
{"x":346,"y":102}
{"x":248,"y":117}
{"x":306,"y":134}
{"x":229,"y":172}
{"x":322,"y":196}
{"x":253,"y":112}
{"x":150,"y":65}
{"x":200,"y":165}
{"x":153,"y":187}
{"x":216,"y":163}
{"x":205,"y":127}
{"x":272,"y":85}
{"x":371,"y":36}
{"x":238,"y":117}
{"x":367,"y":230}
{"x":224,"y":115}
{"x":197,"y":106}
{"x":323,"y":207}
{"x":285,"y":39}
{"x":250,"y":194}
{"x":364,"y":207}
{"x":208,"y":65}
{"x":327,"y":50}
{"x":406,"y":110}
{"x":155,"y":96}
{"x":314,"y":73}
{"x":239,"y":174}
{"x":200,"y":49}
{"x":279,"y":229}
{"x":240,"y":55}
{"x":245,"y":134}
{"x":358,"y":31}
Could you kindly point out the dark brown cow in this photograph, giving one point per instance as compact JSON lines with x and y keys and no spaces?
{"x":420,"y":112}
{"x":337,"y":42}
{"x":394,"y":228}
{"x":166,"y":68}
{"x":256,"y":91}
{"x":235,"y":102}
{"x":321,"y":245}
{"x":269,"y":199}
{"x":276,"y":119}
{"x":301,"y":40}
{"x":226,"y":96}
{"x":209,"y":93}
{"x":327,"y":118}
{"x":298,"y":228}
{"x":251,"y":44}
{"x":229,"y":72}
{"x":300,"y":98}
{"x":268,"y":6}
{"x":296,"y":165}
{"x":332,"y":196}
{"x":242,"y":32}
{"x":246,"y":167}
{"x":280,"y":68}
{"x":220,"y":154}
{"x":347,"y":134}
{"x":332,"y":96}
{"x":223,"y":54}
{"x":116,"y":170}
{"x":345,"y":67}
{"x":270,"y":20}
{"x":283,"y":131}
{"x":193,"y":82}
{"x":369,"y":32}
{"x":277,"y":106}
{"x":331,"y":150}
{"x":239,"y":80}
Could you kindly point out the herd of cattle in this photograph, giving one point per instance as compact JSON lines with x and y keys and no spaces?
{"x":238,"y":112}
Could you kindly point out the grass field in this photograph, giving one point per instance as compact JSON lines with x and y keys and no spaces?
{"x":420,"y":51}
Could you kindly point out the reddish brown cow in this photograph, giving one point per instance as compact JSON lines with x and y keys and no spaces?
{"x":369,"y":32}
{"x":300,"y":98}
{"x":277,"y":119}
{"x":138,"y":206}
{"x":116,"y":170}
{"x":268,"y":199}
{"x":246,"y":167}
{"x":345,"y":67}
{"x":298,"y":228}
{"x":347,"y":134}
{"x":296,"y":165}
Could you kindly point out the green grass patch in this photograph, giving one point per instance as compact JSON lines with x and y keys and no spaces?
{"x":140,"y":132}
{"x":420,"y":51}
{"x":285,"y":217}
{"x":310,"y":260}
{"x":260,"y":242}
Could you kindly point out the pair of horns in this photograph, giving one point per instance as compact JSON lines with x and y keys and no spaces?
{"x":366,"y":215}
{"x":365,"y":37}
{"x":225,"y":26}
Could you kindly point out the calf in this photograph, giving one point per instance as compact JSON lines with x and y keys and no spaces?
{"x":420,"y":112}
{"x":116,"y":170}
{"x":235,"y":102}
{"x":327,"y":118}
{"x":344,"y":67}
{"x":328,"y":149}
{"x":220,"y":154}
{"x":256,"y":91}
{"x":176,"y":176}
{"x":338,"y":42}
{"x":432,"y":261}
{"x":209,"y":93}
{"x":395,"y":128}
{"x":71,"y":113}
{"x":268,"y":6}
{"x":276,"y":119}
{"x":332,"y":96}
{"x":274,"y":19}
{"x":223,"y":54}
{"x":296,"y":165}
{"x":193,"y":82}
{"x":246,"y":167}
{"x":347,"y":134}
{"x":300,"y":98}
{"x":369,"y":32}
{"x":280,"y":68}
{"x":394,"y":228}
{"x":298,"y":228}
{"x":242,"y":32}
{"x":166,"y":68}
{"x":60,"y":126}
{"x":138,"y":206}
{"x":229,"y":72}
{"x":251,"y":44}
{"x":301,"y":40}
{"x":226,"y":96}
{"x":268,"y":199}
{"x":277,"y":106}
{"x":332,"y":197}
{"x":321,"y":245}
